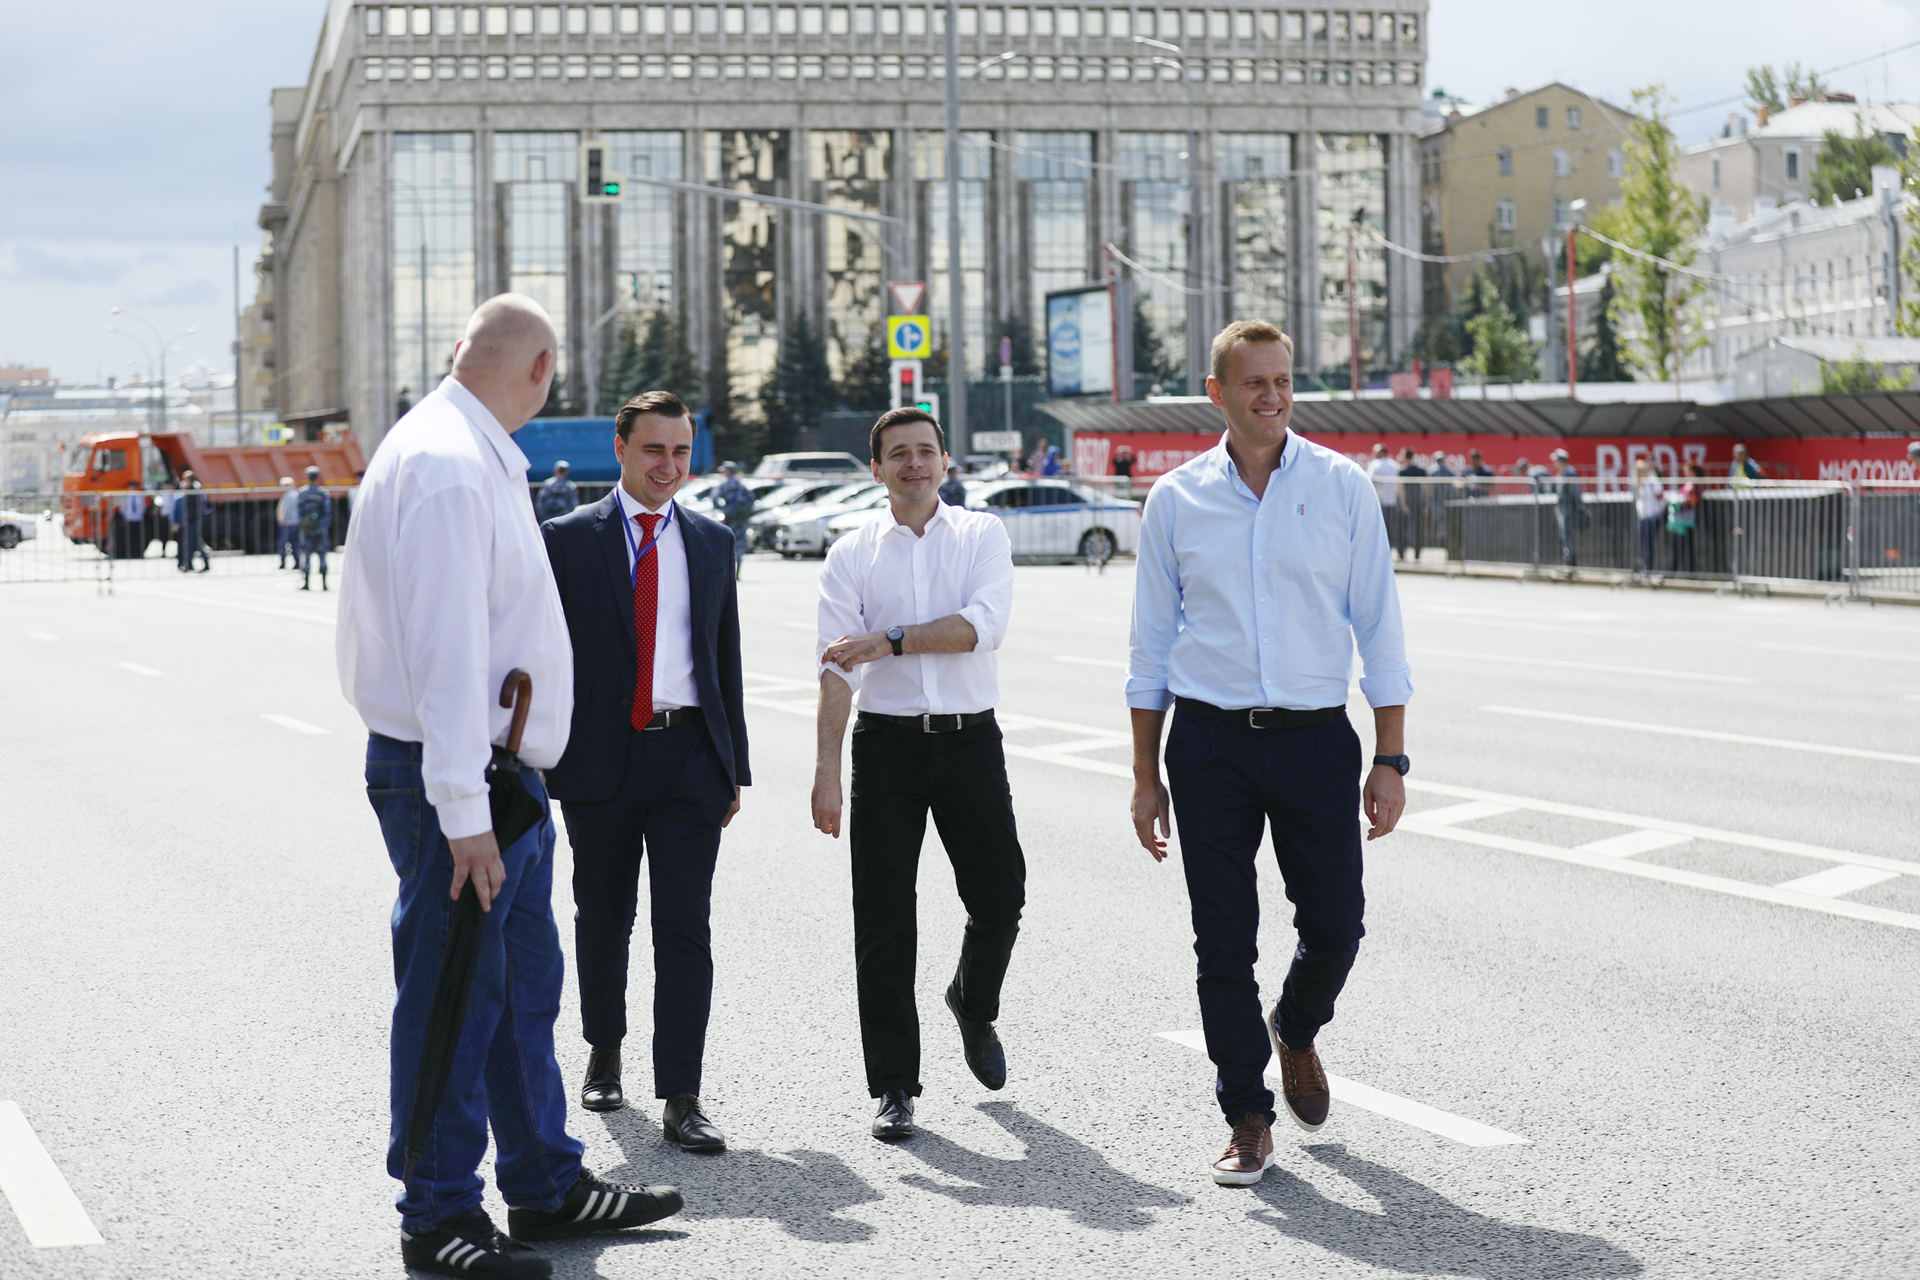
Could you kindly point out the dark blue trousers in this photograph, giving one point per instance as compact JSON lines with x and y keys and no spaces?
{"x":1230,"y":782}
{"x":671,"y":800}
{"x":504,"y":1074}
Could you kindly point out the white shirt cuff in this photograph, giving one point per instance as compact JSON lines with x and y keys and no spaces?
{"x":467,"y":816}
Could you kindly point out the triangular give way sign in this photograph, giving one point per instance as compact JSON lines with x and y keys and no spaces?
{"x":907,"y":295}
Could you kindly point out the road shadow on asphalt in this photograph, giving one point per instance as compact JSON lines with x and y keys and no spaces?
{"x":1421,"y":1232}
{"x":1057,"y":1172}
{"x":803,"y":1192}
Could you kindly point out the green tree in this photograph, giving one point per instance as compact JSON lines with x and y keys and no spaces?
{"x":1843,"y":167}
{"x":1150,"y":355}
{"x":1908,"y":321}
{"x":1776,"y":90}
{"x":652,"y":355}
{"x":863,"y":385}
{"x":1589,"y":254}
{"x":800,"y":388}
{"x":1652,"y":303}
{"x":1501,"y":349}
{"x":626,"y":372}
{"x":1600,"y":361}
{"x":1859,"y":375}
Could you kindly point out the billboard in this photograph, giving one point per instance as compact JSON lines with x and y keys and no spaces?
{"x":1080,"y":342}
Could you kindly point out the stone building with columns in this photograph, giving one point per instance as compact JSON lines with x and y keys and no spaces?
{"x":430,"y":162}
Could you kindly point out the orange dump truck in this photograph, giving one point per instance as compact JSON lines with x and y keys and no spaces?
{"x":240,"y":483}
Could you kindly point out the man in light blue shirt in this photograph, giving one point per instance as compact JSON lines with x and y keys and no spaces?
{"x":1262,"y":562}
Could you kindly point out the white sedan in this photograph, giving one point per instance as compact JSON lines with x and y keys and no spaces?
{"x":1045,"y":519}
{"x":16,"y":527}
{"x":803,"y":530}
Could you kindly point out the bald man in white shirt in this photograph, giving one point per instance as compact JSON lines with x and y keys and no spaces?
{"x":447,"y":589}
{"x":912,"y":609}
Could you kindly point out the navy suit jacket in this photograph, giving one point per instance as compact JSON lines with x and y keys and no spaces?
{"x":588,"y":550}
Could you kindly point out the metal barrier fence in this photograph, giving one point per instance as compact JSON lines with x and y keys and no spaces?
{"x":106,"y":536}
{"x":1862,"y":540}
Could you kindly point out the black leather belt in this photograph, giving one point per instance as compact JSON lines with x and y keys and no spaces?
{"x":930,"y":723}
{"x":672,"y":718}
{"x":1262,"y":717}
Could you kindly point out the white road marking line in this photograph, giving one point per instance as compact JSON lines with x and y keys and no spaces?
{"x":1835,"y":881}
{"x":1637,"y":842}
{"x":1711,"y":735}
{"x":326,"y":619}
{"x":138,"y":668}
{"x":1508,"y":624}
{"x":49,"y":1212}
{"x":1880,"y":654}
{"x":43,"y":635}
{"x":1570,"y":665}
{"x":288,"y":722}
{"x":1670,"y":875}
{"x":1101,"y":743}
{"x":1114,"y":663}
{"x":1472,"y":811}
{"x":1391,"y":1105}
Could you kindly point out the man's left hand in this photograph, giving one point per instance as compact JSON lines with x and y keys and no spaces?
{"x":1384,"y":799}
{"x":732,"y":810}
{"x":849,"y":652}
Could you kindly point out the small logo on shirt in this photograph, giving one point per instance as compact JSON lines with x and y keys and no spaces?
{"x":1300,"y":510}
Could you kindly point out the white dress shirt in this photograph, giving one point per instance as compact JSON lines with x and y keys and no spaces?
{"x":1258,"y":602}
{"x":446,"y":589}
{"x":673,"y":621}
{"x":881,"y":576}
{"x":1386,"y":485}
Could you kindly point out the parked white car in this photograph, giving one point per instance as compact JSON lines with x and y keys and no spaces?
{"x":1045,"y":519}
{"x":803,"y":531}
{"x":789,"y":497}
{"x":16,"y":527}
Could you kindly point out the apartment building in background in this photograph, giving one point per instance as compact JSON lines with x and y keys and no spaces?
{"x":1770,"y":163}
{"x":430,"y":162}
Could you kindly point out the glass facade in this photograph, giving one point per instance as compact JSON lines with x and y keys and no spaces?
{"x":644,"y":258}
{"x":1352,"y":186}
{"x":535,"y":172}
{"x":753,"y":162}
{"x":433,"y":262}
{"x":1260,"y":166}
{"x":976,"y":170}
{"x":854,"y":165}
{"x":1153,"y":171}
{"x":1055,"y":169}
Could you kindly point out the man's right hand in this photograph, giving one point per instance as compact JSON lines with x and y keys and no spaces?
{"x":1151,"y":806}
{"x":826,"y":802}
{"x":478,"y":857}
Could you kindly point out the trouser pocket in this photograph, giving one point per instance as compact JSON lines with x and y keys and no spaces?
{"x":400,"y":810}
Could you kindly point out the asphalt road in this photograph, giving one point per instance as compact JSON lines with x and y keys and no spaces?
{"x":1707,"y":1075}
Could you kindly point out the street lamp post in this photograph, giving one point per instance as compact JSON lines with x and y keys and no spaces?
{"x":1577,"y":210}
{"x":165,"y":345}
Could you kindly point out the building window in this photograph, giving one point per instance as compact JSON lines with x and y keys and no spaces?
{"x":1409,"y":28}
{"x":1296,"y":24}
{"x":1562,"y":163}
{"x":976,"y":169}
{"x":644,"y":231}
{"x":1616,"y":163}
{"x":1504,"y":157}
{"x":535,"y":171}
{"x":754,"y":162}
{"x":1352,"y":183}
{"x":854,"y":165}
{"x":1363,"y":26}
{"x":1716,"y":173}
{"x":1054,"y":170}
{"x":1573,"y":117}
{"x":1503,"y":217}
{"x":1540,"y":118}
{"x":1560,"y":219}
{"x":432,"y":211}
{"x":1259,"y":165}
{"x":576,"y":20}
{"x":1793,"y":164}
{"x":1157,"y":205}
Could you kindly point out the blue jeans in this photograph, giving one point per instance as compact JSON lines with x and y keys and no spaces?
{"x":290,"y":543}
{"x":504,"y":1074}
{"x":1649,"y":536}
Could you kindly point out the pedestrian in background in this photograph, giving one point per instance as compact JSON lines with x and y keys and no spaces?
{"x":128,"y":518}
{"x":193,"y":505}
{"x":558,"y":495}
{"x":1413,"y":504}
{"x":653,"y":769}
{"x":316,"y":528}
{"x":287,"y":516}
{"x":1477,"y":466}
{"x":448,"y":590}
{"x":1683,"y":516}
{"x":1384,"y":473}
{"x":913,"y":608}
{"x":1123,"y":467}
{"x":953,"y":491}
{"x":167,"y":504}
{"x":735,"y":502}
{"x":1044,"y":460}
{"x":1744,"y":470}
{"x":1261,"y":566}
{"x":1649,"y":507}
{"x":1569,"y":511}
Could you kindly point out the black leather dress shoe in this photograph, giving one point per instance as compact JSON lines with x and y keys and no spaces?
{"x":895,"y":1117}
{"x":686,"y":1124}
{"x":985,"y":1057}
{"x":602,"y":1089}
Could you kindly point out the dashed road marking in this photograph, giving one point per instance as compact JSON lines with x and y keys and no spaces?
{"x":288,"y":722}
{"x":1418,"y":1114}
{"x":43,"y":635}
{"x":1711,"y":735}
{"x":138,"y":668}
{"x":1880,"y":655}
{"x":1634,"y":843}
{"x":1570,"y":664}
{"x":1078,"y":661}
{"x":1835,"y":881}
{"x":49,"y":1212}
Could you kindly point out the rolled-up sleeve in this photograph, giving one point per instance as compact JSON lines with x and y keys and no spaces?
{"x":1156,"y":606}
{"x":990,"y":587}
{"x":840,"y":613}
{"x":1373,"y":603}
{"x":440,"y":559}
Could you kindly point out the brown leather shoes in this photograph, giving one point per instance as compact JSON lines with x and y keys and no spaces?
{"x":1303,"y":1081}
{"x":1249,"y":1153}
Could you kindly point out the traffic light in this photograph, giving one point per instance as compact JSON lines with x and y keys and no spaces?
{"x":907,"y":378}
{"x":598,"y":183}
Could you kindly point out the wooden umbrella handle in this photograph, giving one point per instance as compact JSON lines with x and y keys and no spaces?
{"x":516,"y":691}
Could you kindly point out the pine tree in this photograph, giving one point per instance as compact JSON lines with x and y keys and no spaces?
{"x":677,"y":372}
{"x":1652,"y":302}
{"x":1501,"y":348}
{"x":864,"y":383}
{"x":1600,"y":362}
{"x":1150,"y":350}
{"x":624,"y":377}
{"x":800,"y":388}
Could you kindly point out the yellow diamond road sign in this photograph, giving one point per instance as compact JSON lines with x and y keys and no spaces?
{"x":909,"y":337}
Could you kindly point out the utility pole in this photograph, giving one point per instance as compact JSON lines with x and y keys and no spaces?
{"x":1551,"y":345}
{"x":236,"y":345}
{"x":1573,"y":361}
{"x":956,"y":281}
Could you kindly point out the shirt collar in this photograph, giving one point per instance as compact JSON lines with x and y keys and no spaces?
{"x":483,"y":420}
{"x":630,"y":505}
{"x":1289,"y":449}
{"x":893,"y":521}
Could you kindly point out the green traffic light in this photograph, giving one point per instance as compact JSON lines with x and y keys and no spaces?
{"x":611,"y":188}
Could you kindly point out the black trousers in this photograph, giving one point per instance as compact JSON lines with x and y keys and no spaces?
{"x":672,"y":798}
{"x":900,"y":774}
{"x":1230,"y":782}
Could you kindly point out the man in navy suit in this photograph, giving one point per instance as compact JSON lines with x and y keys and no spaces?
{"x":657,"y":754}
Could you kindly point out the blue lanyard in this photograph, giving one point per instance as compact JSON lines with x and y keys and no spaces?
{"x":635,"y":551}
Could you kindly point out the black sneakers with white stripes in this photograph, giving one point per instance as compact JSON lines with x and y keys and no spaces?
{"x":470,"y":1245}
{"x":594,"y":1205}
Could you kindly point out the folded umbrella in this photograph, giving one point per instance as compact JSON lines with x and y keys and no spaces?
{"x":515,"y":812}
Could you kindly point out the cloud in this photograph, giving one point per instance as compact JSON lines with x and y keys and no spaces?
{"x":185,"y":293}
{"x":33,"y":265}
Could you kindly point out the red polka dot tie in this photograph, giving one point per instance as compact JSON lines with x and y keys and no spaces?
{"x":646,"y":610}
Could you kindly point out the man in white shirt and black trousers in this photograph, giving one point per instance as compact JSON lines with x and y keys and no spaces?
{"x":447,"y":590}
{"x":1263,"y":563}
{"x":912,"y":608}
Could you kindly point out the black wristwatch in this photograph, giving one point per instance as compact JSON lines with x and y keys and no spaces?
{"x":894,"y":636}
{"x":1399,"y":764}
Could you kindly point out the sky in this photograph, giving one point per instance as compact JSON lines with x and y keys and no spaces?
{"x":136,"y":152}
